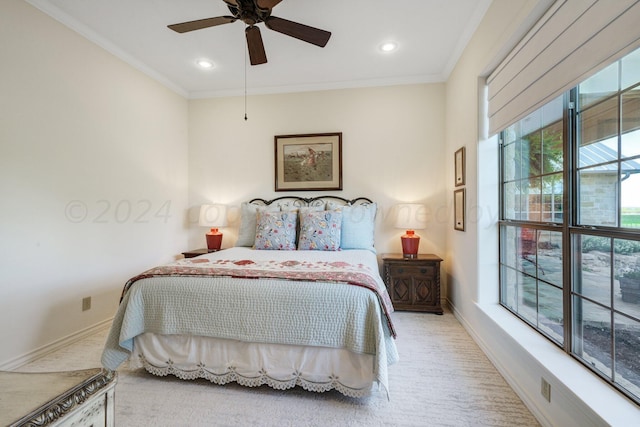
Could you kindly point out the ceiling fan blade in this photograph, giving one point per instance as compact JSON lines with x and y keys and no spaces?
{"x":300,"y":31}
{"x":201,"y":23}
{"x":267,"y":4}
{"x":255,"y":45}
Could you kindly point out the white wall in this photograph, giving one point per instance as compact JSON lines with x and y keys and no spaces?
{"x":93,"y":180}
{"x":392,"y":151}
{"x":579,"y":398}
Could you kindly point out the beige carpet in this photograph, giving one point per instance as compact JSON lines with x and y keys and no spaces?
{"x":442,"y":379}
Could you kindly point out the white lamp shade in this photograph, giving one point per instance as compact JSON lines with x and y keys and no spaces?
{"x":411,"y":216}
{"x":213,"y":216}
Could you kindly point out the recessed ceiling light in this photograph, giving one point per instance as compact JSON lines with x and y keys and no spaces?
{"x":388,"y":46}
{"x":204,"y":63}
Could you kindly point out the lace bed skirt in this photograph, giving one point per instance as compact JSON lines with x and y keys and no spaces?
{"x":279,"y":366}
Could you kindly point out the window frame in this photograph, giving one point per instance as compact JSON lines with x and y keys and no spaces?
{"x":569,"y":227}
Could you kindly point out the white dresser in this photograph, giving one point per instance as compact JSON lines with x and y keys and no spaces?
{"x":71,"y":398}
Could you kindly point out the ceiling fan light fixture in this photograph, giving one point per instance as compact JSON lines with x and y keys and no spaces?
{"x":388,"y":46}
{"x":204,"y":63}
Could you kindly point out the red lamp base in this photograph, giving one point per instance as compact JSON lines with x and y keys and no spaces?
{"x":214,"y":240}
{"x":410,"y":243}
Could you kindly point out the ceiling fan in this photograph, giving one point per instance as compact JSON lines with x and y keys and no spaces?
{"x":252,"y":12}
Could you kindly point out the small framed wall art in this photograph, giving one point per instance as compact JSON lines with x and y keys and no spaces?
{"x":459,"y":209}
{"x":308,"y":162}
{"x":459,"y":167}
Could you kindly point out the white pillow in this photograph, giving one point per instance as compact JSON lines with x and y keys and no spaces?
{"x":290,"y":206}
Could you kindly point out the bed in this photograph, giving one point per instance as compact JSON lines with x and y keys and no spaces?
{"x":298,"y":301}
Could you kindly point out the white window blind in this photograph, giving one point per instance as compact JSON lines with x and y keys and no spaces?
{"x":573,"y":40}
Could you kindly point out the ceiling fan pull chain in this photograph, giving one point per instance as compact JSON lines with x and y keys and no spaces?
{"x":245,"y":87}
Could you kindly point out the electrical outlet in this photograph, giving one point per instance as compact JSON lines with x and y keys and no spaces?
{"x":545,"y":389}
{"x":86,"y":303}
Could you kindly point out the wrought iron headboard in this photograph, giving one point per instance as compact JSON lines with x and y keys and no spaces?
{"x":312,"y":201}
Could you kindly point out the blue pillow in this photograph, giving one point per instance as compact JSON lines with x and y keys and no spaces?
{"x":358,"y":226}
{"x":276,"y":230}
{"x":320,"y":230}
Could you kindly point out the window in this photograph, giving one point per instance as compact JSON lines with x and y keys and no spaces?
{"x":533,"y":195}
{"x":570,"y":222}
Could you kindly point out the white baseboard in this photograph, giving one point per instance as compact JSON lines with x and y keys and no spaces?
{"x":55,"y":345}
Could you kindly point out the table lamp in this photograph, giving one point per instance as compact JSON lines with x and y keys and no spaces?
{"x":411,"y":217}
{"x":214,"y":217}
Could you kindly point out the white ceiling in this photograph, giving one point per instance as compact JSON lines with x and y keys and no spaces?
{"x":431,"y":35}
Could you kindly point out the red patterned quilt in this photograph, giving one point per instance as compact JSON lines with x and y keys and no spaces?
{"x":299,"y":270}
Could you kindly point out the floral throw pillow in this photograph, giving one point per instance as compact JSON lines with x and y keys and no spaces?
{"x":320,"y":230}
{"x":248,"y":219}
{"x":276,"y":230}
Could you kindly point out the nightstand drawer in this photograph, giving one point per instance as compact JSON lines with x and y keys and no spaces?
{"x":411,"y":270}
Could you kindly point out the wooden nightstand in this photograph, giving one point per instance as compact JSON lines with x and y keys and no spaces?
{"x":413,"y":284}
{"x":196,"y":252}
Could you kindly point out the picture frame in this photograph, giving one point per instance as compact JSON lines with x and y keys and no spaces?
{"x":308,"y":162}
{"x":459,"y":209}
{"x":459,"y":159}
